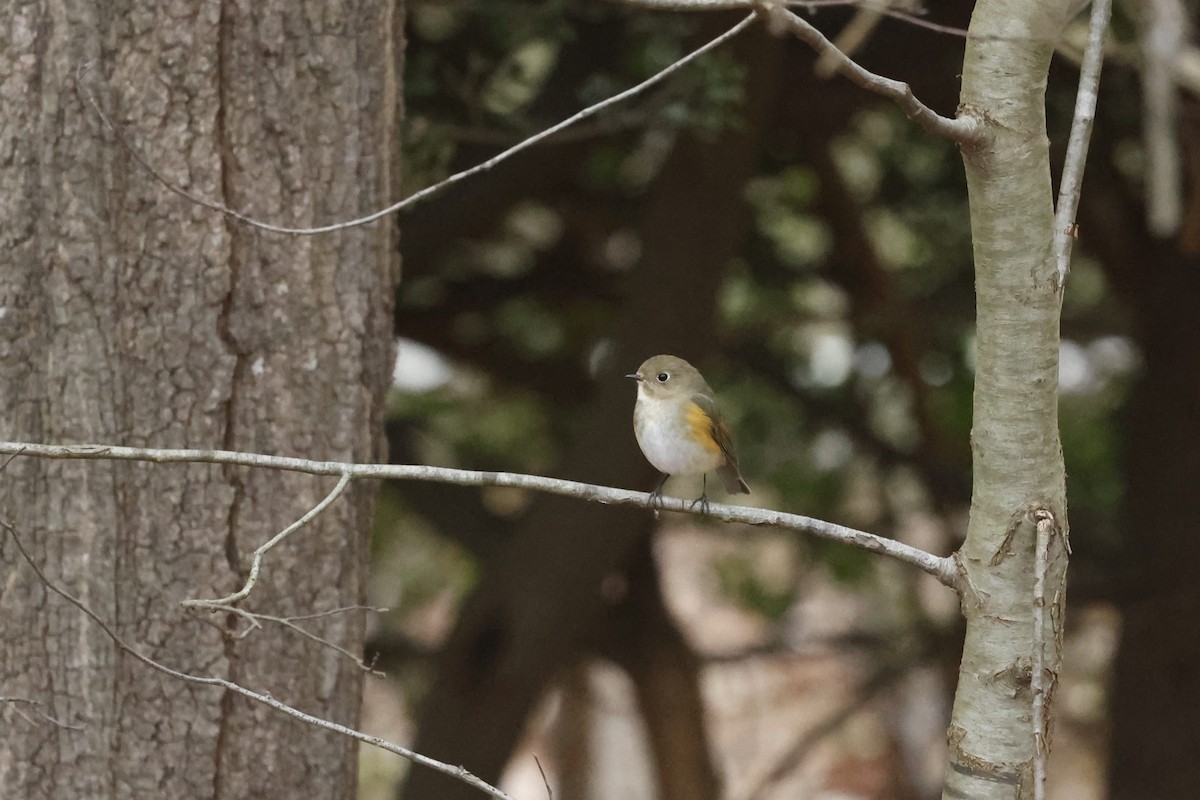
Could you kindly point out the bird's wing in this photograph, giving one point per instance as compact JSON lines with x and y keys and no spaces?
{"x":707,"y":424}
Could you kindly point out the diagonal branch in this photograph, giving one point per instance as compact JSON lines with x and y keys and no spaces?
{"x":1081,"y":135}
{"x":455,"y":772}
{"x":256,"y":564}
{"x":964,"y":130}
{"x":254,"y":622}
{"x":412,"y":199}
{"x":940,"y":567}
{"x":15,"y":704}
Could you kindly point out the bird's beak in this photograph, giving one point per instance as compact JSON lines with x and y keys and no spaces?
{"x":633,"y":376}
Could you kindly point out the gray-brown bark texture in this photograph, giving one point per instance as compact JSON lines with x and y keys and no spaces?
{"x":1017,"y":456}
{"x":129,"y":315}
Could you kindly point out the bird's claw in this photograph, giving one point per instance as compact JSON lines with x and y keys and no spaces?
{"x":654,"y":501}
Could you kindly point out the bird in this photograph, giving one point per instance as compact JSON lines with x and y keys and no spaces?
{"x":679,"y":427}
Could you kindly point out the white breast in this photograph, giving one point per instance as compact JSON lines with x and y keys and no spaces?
{"x":665,"y":437}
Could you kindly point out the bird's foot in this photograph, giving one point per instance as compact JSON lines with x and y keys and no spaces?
{"x":702,"y":500}
{"x":654,"y":501}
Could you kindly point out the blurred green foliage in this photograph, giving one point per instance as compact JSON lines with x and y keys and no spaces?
{"x":809,"y":375}
{"x":741,"y":580}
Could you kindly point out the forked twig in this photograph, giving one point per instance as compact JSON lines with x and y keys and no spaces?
{"x":256,"y":563}
{"x":964,"y":130}
{"x":447,"y":769}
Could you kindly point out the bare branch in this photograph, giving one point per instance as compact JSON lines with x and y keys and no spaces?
{"x":545,"y":780}
{"x":1039,"y":719}
{"x":963,"y":130}
{"x":256,"y":564}
{"x":255,"y":621}
{"x":939,"y":567}
{"x":1081,"y":135}
{"x":689,"y":5}
{"x":341,"y":610}
{"x":849,"y":39}
{"x":412,"y":199}
{"x":15,"y":704}
{"x":455,"y":772}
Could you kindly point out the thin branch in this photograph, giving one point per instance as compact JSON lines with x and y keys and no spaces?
{"x":545,"y":780}
{"x":1039,"y":718}
{"x":850,"y":38}
{"x":455,"y":772}
{"x":689,"y":5}
{"x":963,"y":130}
{"x":256,"y":564}
{"x":940,"y":567}
{"x":340,"y":610}
{"x":15,"y":704}
{"x":883,"y":8}
{"x":255,"y":621}
{"x":1081,"y":135}
{"x":412,"y":199}
{"x":949,"y":30}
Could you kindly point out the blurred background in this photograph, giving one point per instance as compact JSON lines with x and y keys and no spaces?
{"x":808,"y":248}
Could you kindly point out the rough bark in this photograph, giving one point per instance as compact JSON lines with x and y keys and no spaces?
{"x":1017,"y":457}
{"x":129,"y":315}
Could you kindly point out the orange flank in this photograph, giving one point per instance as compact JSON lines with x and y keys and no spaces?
{"x":702,"y":425}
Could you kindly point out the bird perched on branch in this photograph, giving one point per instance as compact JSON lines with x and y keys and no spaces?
{"x":679,"y":427}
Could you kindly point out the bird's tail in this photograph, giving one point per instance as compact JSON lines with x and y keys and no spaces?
{"x":732,"y":479}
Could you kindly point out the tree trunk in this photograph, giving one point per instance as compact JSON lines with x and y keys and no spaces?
{"x":1017,"y":457}
{"x":130,"y":315}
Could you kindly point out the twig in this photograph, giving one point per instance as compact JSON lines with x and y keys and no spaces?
{"x":1081,"y":134}
{"x":455,"y":772}
{"x":14,"y":704}
{"x":850,"y":38}
{"x":256,"y":564}
{"x":255,"y":619}
{"x":963,"y":130}
{"x":412,"y":199}
{"x":939,"y":567}
{"x":545,"y":780}
{"x":883,"y":8}
{"x":688,"y":5}
{"x":1037,"y":682}
{"x":949,"y":30}
{"x":340,"y":610}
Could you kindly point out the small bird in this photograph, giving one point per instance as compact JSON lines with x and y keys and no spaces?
{"x":679,"y":427}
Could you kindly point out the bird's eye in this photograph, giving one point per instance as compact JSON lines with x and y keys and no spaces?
{"x":662,"y":377}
